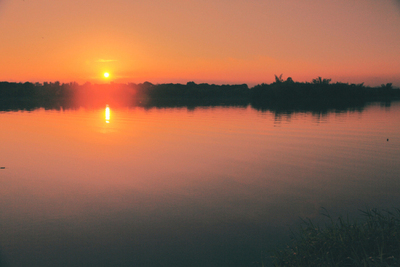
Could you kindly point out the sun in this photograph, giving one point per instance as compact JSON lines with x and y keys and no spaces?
{"x":106,"y":74}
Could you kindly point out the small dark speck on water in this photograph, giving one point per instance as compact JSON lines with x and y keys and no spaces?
{"x":387,"y":139}
{"x":2,"y":168}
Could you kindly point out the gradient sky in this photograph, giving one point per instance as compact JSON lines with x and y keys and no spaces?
{"x":214,"y":41}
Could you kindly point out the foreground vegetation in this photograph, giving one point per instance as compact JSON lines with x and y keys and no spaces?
{"x":373,"y":241}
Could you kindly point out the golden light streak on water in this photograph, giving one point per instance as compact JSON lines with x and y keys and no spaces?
{"x":107,"y":114}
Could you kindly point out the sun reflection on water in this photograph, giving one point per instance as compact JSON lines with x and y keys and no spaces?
{"x":107,"y":114}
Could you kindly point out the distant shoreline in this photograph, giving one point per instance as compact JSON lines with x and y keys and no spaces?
{"x":319,"y":95}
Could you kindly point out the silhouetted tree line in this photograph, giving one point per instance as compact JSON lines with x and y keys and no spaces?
{"x":322,"y":90}
{"x":319,"y":95}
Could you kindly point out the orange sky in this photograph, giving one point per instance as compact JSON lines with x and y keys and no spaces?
{"x":215,"y":41}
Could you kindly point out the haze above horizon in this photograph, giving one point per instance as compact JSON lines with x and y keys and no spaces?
{"x":202,"y":41}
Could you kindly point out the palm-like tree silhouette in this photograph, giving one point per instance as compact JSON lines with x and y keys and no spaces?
{"x":319,"y":80}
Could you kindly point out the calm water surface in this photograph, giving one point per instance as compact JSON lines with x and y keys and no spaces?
{"x":177,"y":187}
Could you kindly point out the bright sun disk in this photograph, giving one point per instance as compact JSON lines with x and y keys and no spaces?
{"x":106,"y":74}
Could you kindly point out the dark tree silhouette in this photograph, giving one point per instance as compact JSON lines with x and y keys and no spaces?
{"x":318,"y":96}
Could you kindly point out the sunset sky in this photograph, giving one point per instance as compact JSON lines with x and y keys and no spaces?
{"x":214,"y":41}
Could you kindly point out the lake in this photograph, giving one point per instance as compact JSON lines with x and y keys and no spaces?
{"x":204,"y":186}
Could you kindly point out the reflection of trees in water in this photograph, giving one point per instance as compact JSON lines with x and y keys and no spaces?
{"x":314,"y":106}
{"x":279,"y":108}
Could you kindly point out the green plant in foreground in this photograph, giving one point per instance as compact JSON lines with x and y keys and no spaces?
{"x":373,"y":241}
